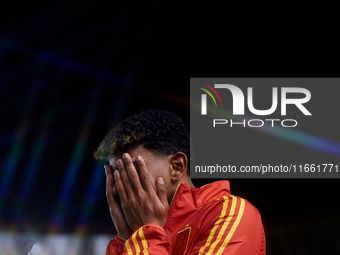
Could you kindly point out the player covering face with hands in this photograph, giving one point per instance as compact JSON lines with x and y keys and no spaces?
{"x":141,"y":187}
{"x":153,"y":203}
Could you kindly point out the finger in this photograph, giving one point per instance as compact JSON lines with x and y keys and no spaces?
{"x":120,"y":186}
{"x":161,"y":191}
{"x":132,"y":173}
{"x":124,"y":177}
{"x":108,"y":172}
{"x":115,"y":208}
{"x":144,"y":174}
{"x":113,"y":204}
{"x":109,"y":184}
{"x":116,"y":212}
{"x":107,"y":169}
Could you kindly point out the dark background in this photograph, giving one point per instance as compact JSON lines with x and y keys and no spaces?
{"x":69,"y":71}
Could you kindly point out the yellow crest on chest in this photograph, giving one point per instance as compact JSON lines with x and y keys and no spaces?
{"x":181,"y":242}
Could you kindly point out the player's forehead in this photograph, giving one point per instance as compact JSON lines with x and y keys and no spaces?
{"x":135,"y":151}
{"x":112,"y":160}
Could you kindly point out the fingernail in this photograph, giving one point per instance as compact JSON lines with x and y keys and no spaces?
{"x":125,"y":155}
{"x":139,"y":158}
{"x":116,"y":173}
{"x":160,"y":180}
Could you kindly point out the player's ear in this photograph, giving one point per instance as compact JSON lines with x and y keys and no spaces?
{"x":179,"y":165}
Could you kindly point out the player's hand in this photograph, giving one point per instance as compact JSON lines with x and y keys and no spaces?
{"x":141,"y":203}
{"x":117,"y":215}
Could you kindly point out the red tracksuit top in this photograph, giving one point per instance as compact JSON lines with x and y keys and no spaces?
{"x":206,"y":220}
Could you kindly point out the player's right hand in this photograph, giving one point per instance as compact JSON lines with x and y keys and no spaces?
{"x":117,"y":215}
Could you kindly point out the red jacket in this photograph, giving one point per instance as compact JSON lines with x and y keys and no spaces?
{"x":206,"y":220}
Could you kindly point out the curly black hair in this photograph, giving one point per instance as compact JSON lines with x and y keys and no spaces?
{"x":159,"y":131}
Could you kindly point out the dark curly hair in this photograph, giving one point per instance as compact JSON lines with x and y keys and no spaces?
{"x":159,"y":131}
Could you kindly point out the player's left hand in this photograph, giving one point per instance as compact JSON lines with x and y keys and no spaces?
{"x":141,"y":203}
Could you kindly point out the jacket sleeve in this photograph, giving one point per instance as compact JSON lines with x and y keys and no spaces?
{"x":149,"y":239}
{"x":232,"y":226}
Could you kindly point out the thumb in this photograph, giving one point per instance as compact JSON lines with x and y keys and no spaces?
{"x":161,"y":190}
